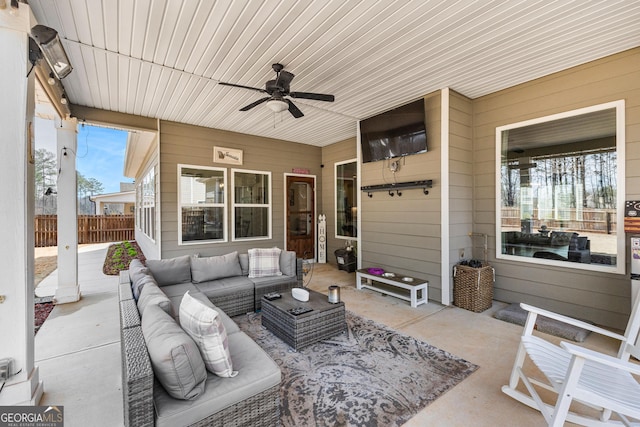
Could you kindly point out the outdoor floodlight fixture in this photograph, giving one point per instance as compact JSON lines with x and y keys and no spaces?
{"x":52,"y":50}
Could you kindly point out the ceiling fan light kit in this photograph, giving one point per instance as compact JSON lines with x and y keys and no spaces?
{"x":277,"y":89}
{"x":277,"y":105}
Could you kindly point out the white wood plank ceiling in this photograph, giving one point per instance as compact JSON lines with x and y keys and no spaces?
{"x":164,"y":58}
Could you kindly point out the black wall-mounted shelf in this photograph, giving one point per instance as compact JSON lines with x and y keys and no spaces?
{"x":394,"y":189}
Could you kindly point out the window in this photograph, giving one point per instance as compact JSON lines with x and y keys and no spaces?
{"x":251,"y":204}
{"x":202,"y":202}
{"x":560,"y":191}
{"x":146,"y":203}
{"x":346,"y":199}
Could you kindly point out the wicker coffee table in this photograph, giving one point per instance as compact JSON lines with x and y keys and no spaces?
{"x":324,"y":321}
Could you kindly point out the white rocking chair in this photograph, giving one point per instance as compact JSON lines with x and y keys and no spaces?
{"x":574,"y":373}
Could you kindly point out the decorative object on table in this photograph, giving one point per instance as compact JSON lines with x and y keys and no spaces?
{"x":473,"y":285}
{"x":334,"y":294}
{"x":272,"y":295}
{"x":300,"y":310}
{"x":322,"y":384}
{"x":300,"y":294}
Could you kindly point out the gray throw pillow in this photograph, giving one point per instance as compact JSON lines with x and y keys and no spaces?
{"x":136,"y":287}
{"x":175,"y":358}
{"x":244,"y":263}
{"x":152,"y":295}
{"x":288,"y":263}
{"x":137,"y":270}
{"x":170,"y":271}
{"x":215,"y":267}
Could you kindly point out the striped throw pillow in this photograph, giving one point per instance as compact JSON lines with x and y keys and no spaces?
{"x":204,"y":326}
{"x":264,"y":262}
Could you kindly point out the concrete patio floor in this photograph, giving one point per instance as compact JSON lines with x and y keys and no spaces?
{"x":78,"y":350}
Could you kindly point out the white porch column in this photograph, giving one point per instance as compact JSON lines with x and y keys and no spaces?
{"x":16,"y":209}
{"x":68,"y":288}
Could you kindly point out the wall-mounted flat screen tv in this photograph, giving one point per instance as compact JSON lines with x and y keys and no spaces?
{"x":395,"y":133}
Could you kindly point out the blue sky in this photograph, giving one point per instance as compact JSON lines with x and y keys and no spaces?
{"x":100,"y":152}
{"x":100,"y":155}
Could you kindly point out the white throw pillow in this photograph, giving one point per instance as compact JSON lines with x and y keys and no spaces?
{"x":205,"y":327}
{"x":264,"y":262}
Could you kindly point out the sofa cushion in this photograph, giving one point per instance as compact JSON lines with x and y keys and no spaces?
{"x":136,"y":287}
{"x":244,"y":263}
{"x":152,"y":295}
{"x":264,"y":262}
{"x":207,"y":330}
{"x":137,"y":270}
{"x":215,"y":267}
{"x":288,"y":263}
{"x":228,"y":323}
{"x":561,"y":238}
{"x":174,"y":355}
{"x":223,"y":287}
{"x":170,"y":271}
{"x":257,"y":373}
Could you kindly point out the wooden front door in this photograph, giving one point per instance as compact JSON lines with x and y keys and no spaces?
{"x":301,"y":224}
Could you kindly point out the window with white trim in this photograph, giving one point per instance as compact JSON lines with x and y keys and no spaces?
{"x":251,"y":205}
{"x":203,"y":206}
{"x":346,"y":191}
{"x":146,"y":203}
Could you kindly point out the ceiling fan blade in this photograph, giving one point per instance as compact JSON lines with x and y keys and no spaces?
{"x":253,"y":104}
{"x":315,"y":96}
{"x":284,"y":79}
{"x":295,"y":111}
{"x":242,"y":87}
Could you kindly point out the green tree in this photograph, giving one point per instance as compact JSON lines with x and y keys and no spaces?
{"x":45,"y":177}
{"x":87,"y":187}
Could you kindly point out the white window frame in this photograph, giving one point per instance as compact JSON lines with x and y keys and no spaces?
{"x":223,"y":205}
{"x":268,"y":205}
{"x":620,"y":266}
{"x":146,"y":203}
{"x":335,"y":198}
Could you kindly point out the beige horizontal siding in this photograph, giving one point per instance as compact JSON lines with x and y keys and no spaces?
{"x":599,"y":297}
{"x":192,"y":145}
{"x":402,"y":234}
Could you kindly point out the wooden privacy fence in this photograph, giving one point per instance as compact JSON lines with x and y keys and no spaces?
{"x":585,"y":219}
{"x":91,"y":229}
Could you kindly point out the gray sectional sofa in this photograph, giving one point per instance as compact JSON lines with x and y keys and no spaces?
{"x":163,"y":377}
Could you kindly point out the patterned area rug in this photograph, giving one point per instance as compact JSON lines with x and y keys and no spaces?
{"x":368,"y":376}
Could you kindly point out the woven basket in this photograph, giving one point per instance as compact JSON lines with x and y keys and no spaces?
{"x":473,"y":287}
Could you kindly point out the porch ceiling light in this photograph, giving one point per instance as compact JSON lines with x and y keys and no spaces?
{"x":52,"y":50}
{"x":277,"y":105}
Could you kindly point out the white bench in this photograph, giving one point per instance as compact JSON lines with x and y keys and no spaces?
{"x":418,"y":288}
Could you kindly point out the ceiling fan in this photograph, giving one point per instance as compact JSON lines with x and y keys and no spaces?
{"x":277,"y":90}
